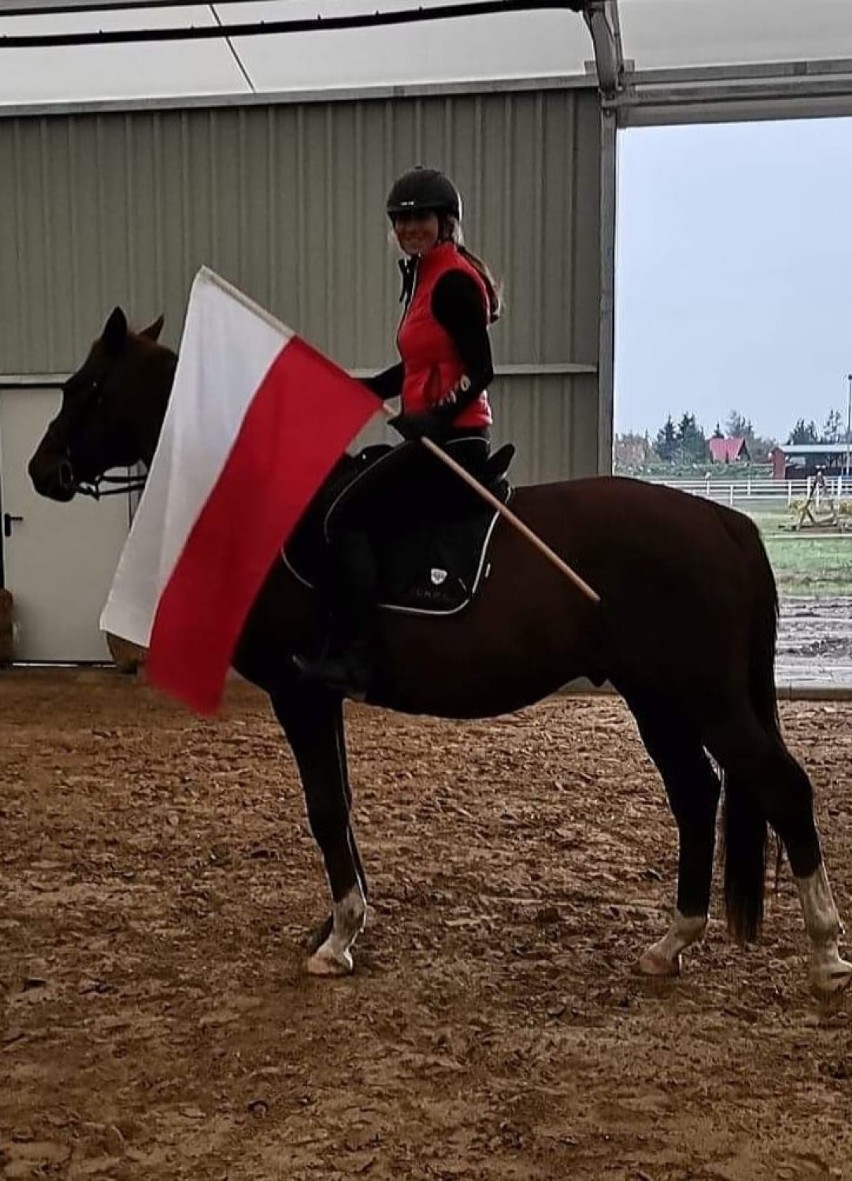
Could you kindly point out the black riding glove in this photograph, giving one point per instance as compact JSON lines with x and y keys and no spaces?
{"x":418,"y":426}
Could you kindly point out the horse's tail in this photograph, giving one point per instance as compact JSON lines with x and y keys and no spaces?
{"x":745,"y":830}
{"x":764,"y":636}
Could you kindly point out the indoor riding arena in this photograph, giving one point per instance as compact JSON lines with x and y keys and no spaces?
{"x":159,"y":883}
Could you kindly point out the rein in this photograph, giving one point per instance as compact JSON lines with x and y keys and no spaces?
{"x":124,"y":484}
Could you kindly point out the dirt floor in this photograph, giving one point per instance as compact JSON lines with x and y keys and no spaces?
{"x":158,"y":880}
{"x":815,"y":641}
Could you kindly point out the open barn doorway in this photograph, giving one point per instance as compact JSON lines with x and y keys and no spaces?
{"x":734,"y":349}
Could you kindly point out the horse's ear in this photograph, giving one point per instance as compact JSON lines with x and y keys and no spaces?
{"x":153,"y":330}
{"x":114,"y":335}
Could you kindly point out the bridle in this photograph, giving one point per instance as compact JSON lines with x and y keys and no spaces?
{"x":124,"y":485}
{"x":116,"y":485}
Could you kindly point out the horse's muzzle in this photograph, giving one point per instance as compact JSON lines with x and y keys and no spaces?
{"x":55,"y":480}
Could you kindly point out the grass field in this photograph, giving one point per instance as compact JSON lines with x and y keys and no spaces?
{"x":806,"y":562}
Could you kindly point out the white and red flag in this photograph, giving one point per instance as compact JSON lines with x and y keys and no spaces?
{"x":256,"y":420}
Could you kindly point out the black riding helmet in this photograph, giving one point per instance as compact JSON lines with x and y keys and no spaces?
{"x":424,"y":190}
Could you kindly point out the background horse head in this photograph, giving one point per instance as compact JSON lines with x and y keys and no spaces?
{"x":685,"y":631}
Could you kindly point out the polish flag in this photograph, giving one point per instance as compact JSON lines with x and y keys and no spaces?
{"x":256,"y":420}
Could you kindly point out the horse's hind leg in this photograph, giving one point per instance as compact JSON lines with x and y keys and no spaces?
{"x":693,"y":788}
{"x":312,"y":719}
{"x":762,"y":776}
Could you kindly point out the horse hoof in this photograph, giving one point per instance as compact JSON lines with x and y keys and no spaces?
{"x":656,"y":965}
{"x":328,"y":962}
{"x":831,"y":979}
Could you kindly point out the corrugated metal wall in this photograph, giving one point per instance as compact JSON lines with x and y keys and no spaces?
{"x":287,"y":201}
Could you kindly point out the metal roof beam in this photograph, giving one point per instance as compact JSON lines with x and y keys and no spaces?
{"x":602,"y":17}
{"x":392,"y":90}
{"x":712,"y":94}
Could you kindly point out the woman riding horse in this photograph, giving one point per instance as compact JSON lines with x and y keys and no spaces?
{"x":450,"y":298}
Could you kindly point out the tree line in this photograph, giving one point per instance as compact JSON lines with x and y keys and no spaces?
{"x":684,"y":441}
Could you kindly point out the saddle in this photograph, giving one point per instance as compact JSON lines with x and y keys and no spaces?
{"x":432,"y":560}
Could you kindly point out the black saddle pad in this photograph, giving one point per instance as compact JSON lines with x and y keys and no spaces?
{"x":432,"y":557}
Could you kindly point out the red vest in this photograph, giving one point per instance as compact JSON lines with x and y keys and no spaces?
{"x":432,"y":367}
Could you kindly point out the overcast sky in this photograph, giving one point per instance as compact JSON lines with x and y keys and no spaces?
{"x":734,"y":273}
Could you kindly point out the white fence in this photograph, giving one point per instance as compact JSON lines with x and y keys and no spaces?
{"x":753,"y":491}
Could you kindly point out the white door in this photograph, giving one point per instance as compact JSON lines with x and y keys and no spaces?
{"x":58,"y":559}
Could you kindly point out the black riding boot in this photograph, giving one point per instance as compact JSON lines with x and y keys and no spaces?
{"x":346,"y":662}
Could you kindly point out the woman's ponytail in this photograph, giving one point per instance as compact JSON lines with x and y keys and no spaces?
{"x":451,"y":231}
{"x":493,"y":286}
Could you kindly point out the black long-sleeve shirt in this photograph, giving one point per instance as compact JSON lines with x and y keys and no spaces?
{"x":457,"y":306}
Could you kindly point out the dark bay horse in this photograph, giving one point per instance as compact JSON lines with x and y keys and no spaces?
{"x":685,"y":631}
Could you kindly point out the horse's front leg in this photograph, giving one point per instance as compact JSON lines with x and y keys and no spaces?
{"x":312,"y":719}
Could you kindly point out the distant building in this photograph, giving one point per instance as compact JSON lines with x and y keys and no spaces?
{"x":631,"y":453}
{"x":728,"y":450}
{"x":797,"y":461}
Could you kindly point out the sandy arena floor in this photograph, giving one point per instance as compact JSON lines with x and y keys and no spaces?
{"x":158,"y":879}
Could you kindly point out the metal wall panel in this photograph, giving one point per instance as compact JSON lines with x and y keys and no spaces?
{"x":550,"y":419}
{"x":287,"y":201}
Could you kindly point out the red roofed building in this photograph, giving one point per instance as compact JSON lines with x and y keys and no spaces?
{"x":728,"y":450}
